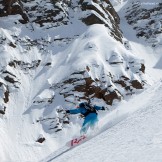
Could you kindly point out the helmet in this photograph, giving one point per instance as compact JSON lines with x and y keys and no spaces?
{"x":82,"y":104}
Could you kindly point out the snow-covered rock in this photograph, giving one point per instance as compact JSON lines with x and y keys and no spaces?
{"x":145,"y":17}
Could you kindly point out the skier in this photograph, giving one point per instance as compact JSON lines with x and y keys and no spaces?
{"x":90,"y":115}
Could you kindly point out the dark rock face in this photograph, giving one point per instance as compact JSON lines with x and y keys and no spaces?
{"x":146,"y":22}
{"x":5,"y":93}
{"x":14,"y":7}
{"x":2,"y":112}
{"x":78,"y":87}
{"x":107,"y":13}
{"x":41,"y":139}
{"x":62,"y":12}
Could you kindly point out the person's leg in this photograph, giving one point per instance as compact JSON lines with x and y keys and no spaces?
{"x":93,"y":123}
{"x":85,"y":126}
{"x":89,"y":122}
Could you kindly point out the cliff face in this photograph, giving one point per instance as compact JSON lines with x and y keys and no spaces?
{"x":53,"y":14}
{"x":60,"y":53}
{"x":145,"y":17}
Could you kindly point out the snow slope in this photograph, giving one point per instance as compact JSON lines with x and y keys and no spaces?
{"x":31,"y":102}
{"x":137,"y":138}
{"x":31,"y":94}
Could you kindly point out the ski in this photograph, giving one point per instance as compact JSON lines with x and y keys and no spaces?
{"x":76,"y":141}
{"x":69,"y":145}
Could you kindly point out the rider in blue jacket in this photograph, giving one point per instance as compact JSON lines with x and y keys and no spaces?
{"x":90,"y":114}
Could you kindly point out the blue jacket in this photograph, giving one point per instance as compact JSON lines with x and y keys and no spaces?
{"x":91,"y":116}
{"x":83,"y":110}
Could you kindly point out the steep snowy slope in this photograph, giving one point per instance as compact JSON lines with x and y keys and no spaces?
{"x":31,"y":35}
{"x":55,"y":54}
{"x":31,"y":110}
{"x":137,"y":138}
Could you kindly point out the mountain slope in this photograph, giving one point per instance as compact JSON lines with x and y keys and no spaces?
{"x":137,"y":138}
{"x":145,"y":19}
{"x":31,"y":112}
{"x":36,"y":55}
{"x":55,"y":54}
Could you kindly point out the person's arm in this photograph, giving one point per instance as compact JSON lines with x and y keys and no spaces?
{"x":74,"y":111}
{"x":99,"y":107}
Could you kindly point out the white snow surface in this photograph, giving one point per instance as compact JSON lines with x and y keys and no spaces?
{"x":131,"y":132}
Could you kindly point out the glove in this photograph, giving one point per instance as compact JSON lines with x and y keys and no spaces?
{"x":103,"y":108}
{"x":67,"y":111}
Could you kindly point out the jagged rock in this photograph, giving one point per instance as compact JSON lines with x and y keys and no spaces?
{"x":109,"y":98}
{"x":102,"y":16}
{"x":6,"y":96}
{"x":9,"y":79}
{"x":136,"y":84}
{"x":12,"y":45}
{"x":48,"y":64}
{"x":142,"y":68}
{"x":59,"y":13}
{"x":121,"y":82}
{"x":92,"y":19}
{"x":146,"y":22}
{"x":87,"y":88}
{"x":25,"y":66}
{"x":41,"y":139}
{"x":2,"y":112}
{"x":13,"y":7}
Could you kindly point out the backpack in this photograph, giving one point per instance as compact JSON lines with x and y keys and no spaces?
{"x":89,"y":108}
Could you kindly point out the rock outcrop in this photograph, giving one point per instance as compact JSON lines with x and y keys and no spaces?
{"x":146,"y":20}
